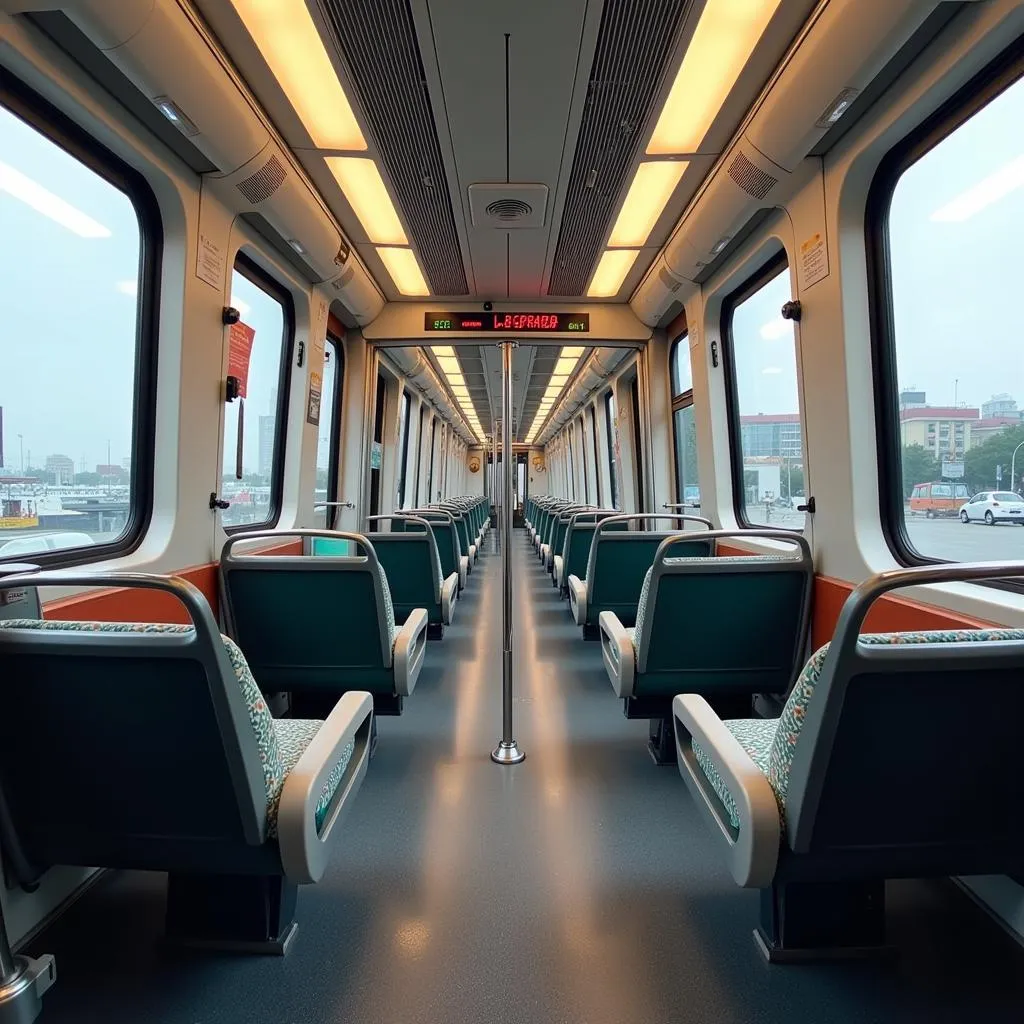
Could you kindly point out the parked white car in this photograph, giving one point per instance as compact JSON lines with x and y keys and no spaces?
{"x":38,"y":543}
{"x":993,"y":507}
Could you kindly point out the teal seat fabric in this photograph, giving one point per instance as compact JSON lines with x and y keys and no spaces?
{"x":412,"y":567}
{"x":449,"y":547}
{"x":772,"y":744}
{"x":294,"y":735}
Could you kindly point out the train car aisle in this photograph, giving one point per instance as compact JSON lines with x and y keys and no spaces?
{"x":579,"y":886}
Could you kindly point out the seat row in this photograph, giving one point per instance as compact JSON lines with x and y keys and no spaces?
{"x":880,"y":756}
{"x":226,"y":759}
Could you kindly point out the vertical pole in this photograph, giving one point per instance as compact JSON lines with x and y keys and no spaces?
{"x":506,"y":752}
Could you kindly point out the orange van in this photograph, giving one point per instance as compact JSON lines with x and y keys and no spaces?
{"x":941,"y":498}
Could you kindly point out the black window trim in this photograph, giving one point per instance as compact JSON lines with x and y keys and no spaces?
{"x":248,"y":268}
{"x":597,"y":457}
{"x":776,"y":264}
{"x":332,"y":459}
{"x":982,"y":89}
{"x":610,"y":427}
{"x":406,"y":400}
{"x":59,"y":129}
{"x":681,"y":400}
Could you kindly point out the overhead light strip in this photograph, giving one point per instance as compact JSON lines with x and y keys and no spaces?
{"x":652,"y":188}
{"x":404,"y":269}
{"x":364,"y":188}
{"x":452,"y":370}
{"x":568,"y":358}
{"x":611,"y":271}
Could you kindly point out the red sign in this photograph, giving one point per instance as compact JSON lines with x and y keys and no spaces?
{"x":240,"y":342}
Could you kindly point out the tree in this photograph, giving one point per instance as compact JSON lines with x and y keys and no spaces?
{"x":980,"y":463}
{"x":919,"y":467}
{"x":792,"y":481}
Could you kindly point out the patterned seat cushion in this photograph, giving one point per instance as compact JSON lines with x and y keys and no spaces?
{"x":280,"y":742}
{"x":756,"y":736}
{"x":786,"y":733}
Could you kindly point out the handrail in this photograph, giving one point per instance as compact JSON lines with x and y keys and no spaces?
{"x":626,"y":517}
{"x":796,"y":539}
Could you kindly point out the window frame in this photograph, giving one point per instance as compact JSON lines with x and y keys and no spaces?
{"x":597,"y":455}
{"x":330,"y":339}
{"x":610,"y":428}
{"x":680,"y":400}
{"x":768,"y":271}
{"x":984,"y":87}
{"x":55,"y":126}
{"x":404,"y":403}
{"x":264,"y":280}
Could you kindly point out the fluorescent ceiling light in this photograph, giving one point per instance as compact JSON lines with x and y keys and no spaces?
{"x":405,"y":271}
{"x":652,"y":188}
{"x":573,"y":352}
{"x":449,"y":364}
{"x":725,"y":38}
{"x":32,"y":194}
{"x":363,"y":186}
{"x":775,"y":329}
{"x":291,"y":45}
{"x":444,"y":350}
{"x":989,"y":190}
{"x":611,"y":272}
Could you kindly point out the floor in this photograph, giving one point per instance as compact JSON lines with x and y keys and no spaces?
{"x":580,"y":886}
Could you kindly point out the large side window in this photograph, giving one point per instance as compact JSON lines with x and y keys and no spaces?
{"x":77,"y":381}
{"x":597,"y":457}
{"x":252,"y":469}
{"x":403,"y":446}
{"x":683,"y":429}
{"x":327,"y":445}
{"x":612,"y":429}
{"x":767,"y":442}
{"x":946,"y":215}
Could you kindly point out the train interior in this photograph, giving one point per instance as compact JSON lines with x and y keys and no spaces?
{"x":511,"y":512}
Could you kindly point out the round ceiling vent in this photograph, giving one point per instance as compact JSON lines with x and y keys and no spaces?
{"x":508,"y":210}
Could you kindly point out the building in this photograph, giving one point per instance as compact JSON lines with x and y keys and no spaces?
{"x":1002,"y":406}
{"x":983,"y":429}
{"x":266,"y":439}
{"x":944,"y":431}
{"x":773,"y":436}
{"x":60,"y":469}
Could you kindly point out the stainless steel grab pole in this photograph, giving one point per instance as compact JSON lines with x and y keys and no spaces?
{"x":506,"y":752}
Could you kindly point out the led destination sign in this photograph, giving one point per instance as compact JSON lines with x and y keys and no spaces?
{"x":520,"y":323}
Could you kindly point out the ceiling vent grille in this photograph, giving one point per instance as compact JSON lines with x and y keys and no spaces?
{"x":751,"y":178}
{"x":636,"y":40}
{"x":378,"y":40}
{"x":264,"y":183}
{"x":508,"y":210}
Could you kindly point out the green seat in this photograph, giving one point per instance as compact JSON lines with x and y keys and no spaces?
{"x":893,"y":758}
{"x":446,"y":534}
{"x":572,"y":559}
{"x":413,"y":569}
{"x":616,"y":567}
{"x":317,"y":626}
{"x":556,"y":537}
{"x":690,"y":613}
{"x":166,"y":757}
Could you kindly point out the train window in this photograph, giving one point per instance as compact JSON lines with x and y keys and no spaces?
{"x":430,"y":470}
{"x":403,"y":446}
{"x":583,"y":461}
{"x":78,"y":381}
{"x":572,"y":469}
{"x":419,"y":454}
{"x":946,"y":213}
{"x":253,"y":483}
{"x":377,"y":445}
{"x":767,"y":443}
{"x":327,"y":439}
{"x":683,"y":429}
{"x":597,"y":457}
{"x":612,"y":428}
{"x":637,"y":443}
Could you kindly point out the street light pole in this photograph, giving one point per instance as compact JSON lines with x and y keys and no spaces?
{"x":1013,"y":463}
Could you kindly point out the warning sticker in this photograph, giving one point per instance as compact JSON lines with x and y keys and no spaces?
{"x":814,"y":259}
{"x":313,"y":405}
{"x":210,"y":262}
{"x":239,"y":353}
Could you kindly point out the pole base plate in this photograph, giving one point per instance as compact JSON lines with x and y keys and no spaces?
{"x":507,"y":753}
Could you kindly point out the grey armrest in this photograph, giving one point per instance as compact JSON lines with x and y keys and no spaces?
{"x":463,"y":570}
{"x":559,"y":566}
{"x":449,"y":595}
{"x":578,"y":599}
{"x":410,"y":647}
{"x":619,"y":656}
{"x":472,"y":554}
{"x":304,"y":851}
{"x":753,"y":851}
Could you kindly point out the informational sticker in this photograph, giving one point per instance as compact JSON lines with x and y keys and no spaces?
{"x":376,"y":452}
{"x":240,"y":341}
{"x":814,"y":259}
{"x":313,"y":404}
{"x":320,"y":311}
{"x":210,"y":262}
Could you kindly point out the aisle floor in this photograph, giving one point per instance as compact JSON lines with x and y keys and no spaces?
{"x":580,"y":886}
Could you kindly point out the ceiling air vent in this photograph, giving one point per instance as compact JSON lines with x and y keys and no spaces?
{"x":508,"y":210}
{"x":264,"y":183}
{"x":504,"y":206}
{"x":751,"y":178}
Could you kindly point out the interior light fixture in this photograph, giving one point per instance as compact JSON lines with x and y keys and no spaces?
{"x":648,"y":195}
{"x":43,"y":201}
{"x":297,"y":246}
{"x":404,"y":269}
{"x":366,"y":193}
{"x":722,"y":43}
{"x":175,"y":115}
{"x":611,"y":271}
{"x":835,"y":110}
{"x":285,"y":35}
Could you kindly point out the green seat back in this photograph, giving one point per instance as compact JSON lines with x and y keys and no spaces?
{"x":414,"y":575}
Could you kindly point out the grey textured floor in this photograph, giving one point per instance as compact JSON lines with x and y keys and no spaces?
{"x":580,"y":886}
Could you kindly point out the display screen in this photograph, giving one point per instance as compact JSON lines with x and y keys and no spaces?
{"x":520,"y":323}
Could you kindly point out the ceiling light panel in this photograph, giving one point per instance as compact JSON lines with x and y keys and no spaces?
{"x":366,"y":193}
{"x":652,"y":188}
{"x":725,"y":38}
{"x":405,"y":271}
{"x":285,"y":35}
{"x":611,"y":271}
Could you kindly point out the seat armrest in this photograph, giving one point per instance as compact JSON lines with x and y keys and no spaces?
{"x":449,"y":595}
{"x":472,"y":554}
{"x":578,"y":599}
{"x":617,"y":651}
{"x":410,"y":647}
{"x":753,"y":850}
{"x":304,"y":851}
{"x":463,"y":570}
{"x":559,"y":566}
